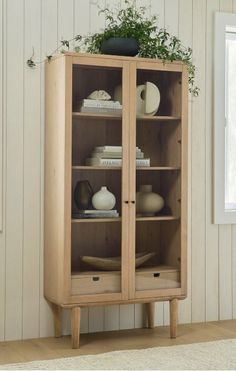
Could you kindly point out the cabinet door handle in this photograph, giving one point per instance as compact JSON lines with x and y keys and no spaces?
{"x":126,"y":202}
{"x":133,"y":202}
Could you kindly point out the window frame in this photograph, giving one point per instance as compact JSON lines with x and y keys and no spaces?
{"x":221,"y":215}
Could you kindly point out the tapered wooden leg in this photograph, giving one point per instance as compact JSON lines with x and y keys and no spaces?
{"x":57,"y":315}
{"x":75,"y":327}
{"x":173,"y":318}
{"x":150,"y":308}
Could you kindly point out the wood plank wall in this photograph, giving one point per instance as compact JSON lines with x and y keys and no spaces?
{"x":211,"y":248}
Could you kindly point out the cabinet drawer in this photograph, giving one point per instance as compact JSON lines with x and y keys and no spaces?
{"x":151,"y":280}
{"x":96,"y":283}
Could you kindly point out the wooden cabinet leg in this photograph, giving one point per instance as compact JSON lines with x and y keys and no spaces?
{"x":75,"y":327}
{"x":57,"y":315}
{"x":173,"y":318}
{"x":150,"y":308}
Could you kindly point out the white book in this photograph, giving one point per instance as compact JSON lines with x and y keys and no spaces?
{"x":118,"y":155}
{"x":108,"y":212}
{"x":114,"y":162}
{"x":95,"y":216}
{"x":112,"y":149}
{"x":100,"y":103}
{"x":113,"y":111}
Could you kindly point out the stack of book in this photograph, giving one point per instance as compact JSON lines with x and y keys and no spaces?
{"x":101,"y":106}
{"x":89,"y":214}
{"x":112,"y":156}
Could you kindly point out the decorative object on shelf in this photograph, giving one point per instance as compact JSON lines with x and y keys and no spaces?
{"x":114,"y":263}
{"x":147,"y":202}
{"x":103,"y":199}
{"x":120,"y":46}
{"x":96,"y":214}
{"x":83,"y":194}
{"x":147,"y":99}
{"x":99,"y":95}
{"x":100,"y":106}
{"x":112,"y":156}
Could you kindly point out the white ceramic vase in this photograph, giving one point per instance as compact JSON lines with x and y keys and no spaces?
{"x":103,"y":199}
{"x":147,"y":202}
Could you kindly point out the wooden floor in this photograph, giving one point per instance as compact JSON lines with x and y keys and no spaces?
{"x":48,"y":348}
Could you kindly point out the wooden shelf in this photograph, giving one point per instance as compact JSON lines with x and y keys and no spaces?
{"x":155,"y":218}
{"x":96,"y":167}
{"x":158,"y":168}
{"x":146,"y":168}
{"x":109,"y":116}
{"x":96,"y":220}
{"x":158,"y":118}
{"x":156,"y":268}
{"x":96,"y":116}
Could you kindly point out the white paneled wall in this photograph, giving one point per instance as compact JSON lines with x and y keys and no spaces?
{"x":211,"y":249}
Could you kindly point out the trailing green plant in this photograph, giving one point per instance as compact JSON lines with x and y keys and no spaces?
{"x":133,"y":22}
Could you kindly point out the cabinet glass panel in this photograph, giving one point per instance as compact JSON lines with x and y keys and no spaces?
{"x":158,"y":179}
{"x":96,"y":167}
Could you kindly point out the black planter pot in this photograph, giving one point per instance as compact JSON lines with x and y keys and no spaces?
{"x":120,"y":46}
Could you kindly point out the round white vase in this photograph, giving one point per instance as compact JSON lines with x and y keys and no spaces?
{"x":103,"y":199}
{"x":147,"y":202}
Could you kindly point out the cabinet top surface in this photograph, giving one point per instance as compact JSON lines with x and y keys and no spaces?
{"x":117,"y":58}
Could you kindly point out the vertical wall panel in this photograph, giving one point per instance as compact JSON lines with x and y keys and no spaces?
{"x":186,"y":36}
{"x":96,"y":319}
{"x":111,"y":318}
{"x":65,"y":19}
{"x":212,"y":231}
{"x":14,"y":186}
{"x":3,"y":162}
{"x":49,"y":38}
{"x":97,"y":21}
{"x":1,"y":115}
{"x":225,"y":252}
{"x":158,"y":8}
{"x":198,"y":165}
{"x":172,"y":16}
{"x":31,"y":132}
{"x":127,"y":316}
{"x":233,"y":242}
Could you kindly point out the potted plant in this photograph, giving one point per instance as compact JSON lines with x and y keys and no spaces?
{"x":130,"y":32}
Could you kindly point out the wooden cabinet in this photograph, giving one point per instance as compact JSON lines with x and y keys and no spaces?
{"x":70,"y":138}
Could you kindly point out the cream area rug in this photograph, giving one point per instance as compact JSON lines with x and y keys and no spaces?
{"x":215,"y":355}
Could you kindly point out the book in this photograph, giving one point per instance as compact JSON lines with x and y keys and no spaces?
{"x":114,"y":162}
{"x":94,"y":216}
{"x":113,"y":111}
{"x":101,"y":103}
{"x":118,"y":155}
{"x":94,"y":212}
{"x":111,"y":149}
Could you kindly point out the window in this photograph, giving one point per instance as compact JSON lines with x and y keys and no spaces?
{"x":225,"y":119}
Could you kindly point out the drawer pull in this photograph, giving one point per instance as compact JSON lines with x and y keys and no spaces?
{"x":156,"y":274}
{"x":96,"y":278}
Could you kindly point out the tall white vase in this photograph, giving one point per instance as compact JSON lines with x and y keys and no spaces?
{"x":103,"y":199}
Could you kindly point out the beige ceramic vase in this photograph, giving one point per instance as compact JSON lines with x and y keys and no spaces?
{"x":148,"y":203}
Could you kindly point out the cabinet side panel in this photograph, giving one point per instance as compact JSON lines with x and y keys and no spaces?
{"x":54,"y":180}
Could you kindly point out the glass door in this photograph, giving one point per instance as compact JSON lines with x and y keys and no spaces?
{"x":157,"y":156}
{"x":99,"y":147}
